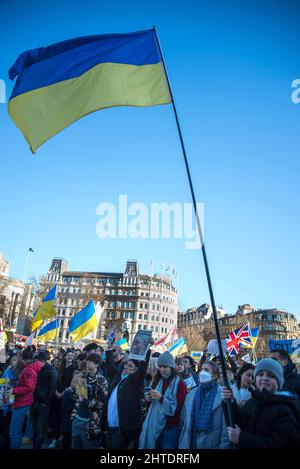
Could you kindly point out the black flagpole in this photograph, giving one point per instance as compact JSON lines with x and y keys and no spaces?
{"x":211,"y":294}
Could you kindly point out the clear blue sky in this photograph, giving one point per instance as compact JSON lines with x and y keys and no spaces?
{"x":231,"y":65}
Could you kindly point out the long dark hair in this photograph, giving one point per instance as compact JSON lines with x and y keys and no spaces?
{"x":246,"y":367}
{"x":18,"y":367}
{"x":158,"y":377}
{"x":62,"y":366}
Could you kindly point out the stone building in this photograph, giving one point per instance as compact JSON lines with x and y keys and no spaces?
{"x":131,"y":300}
{"x":17,"y":299}
{"x":275,"y":324}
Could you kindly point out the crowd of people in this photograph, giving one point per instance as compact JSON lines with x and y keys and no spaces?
{"x":91,"y":398}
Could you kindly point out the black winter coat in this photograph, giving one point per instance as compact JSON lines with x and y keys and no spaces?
{"x":268,"y":421}
{"x":130,"y":394}
{"x":46,"y":385}
{"x":292,"y":380}
{"x":67,"y":405}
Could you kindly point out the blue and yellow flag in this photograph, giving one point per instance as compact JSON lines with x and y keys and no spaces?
{"x":254,"y":336}
{"x":36,"y":322}
{"x":50,"y":331}
{"x":178,"y":347}
{"x":123,"y":344}
{"x":59,"y":84}
{"x":46,"y":309}
{"x":84,"y":322}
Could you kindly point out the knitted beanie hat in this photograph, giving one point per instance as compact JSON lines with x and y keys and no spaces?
{"x":166,"y":359}
{"x":273,"y":366}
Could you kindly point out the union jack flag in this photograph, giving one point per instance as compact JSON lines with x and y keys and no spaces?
{"x":240,"y":336}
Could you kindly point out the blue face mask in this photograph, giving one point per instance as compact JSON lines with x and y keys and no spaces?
{"x":123,"y":376}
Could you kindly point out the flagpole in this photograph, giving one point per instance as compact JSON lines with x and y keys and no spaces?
{"x":26,"y":265}
{"x":230,"y":414}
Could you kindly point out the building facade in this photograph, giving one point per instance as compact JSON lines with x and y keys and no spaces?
{"x":275,"y":324}
{"x":17,"y":299}
{"x":131,"y":301}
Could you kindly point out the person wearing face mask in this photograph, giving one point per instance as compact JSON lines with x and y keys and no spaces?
{"x":203,"y":424}
{"x":242,"y":387}
{"x":291,"y":376}
{"x":122,"y":413}
{"x":161,"y":426}
{"x":271,"y":418}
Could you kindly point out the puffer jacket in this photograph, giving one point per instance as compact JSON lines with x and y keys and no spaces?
{"x":269,"y":421}
{"x":24,"y":391}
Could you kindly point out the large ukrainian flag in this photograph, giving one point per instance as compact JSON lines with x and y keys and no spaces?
{"x":59,"y":84}
{"x":46,"y":310}
{"x":84,"y":322}
{"x":50,"y":331}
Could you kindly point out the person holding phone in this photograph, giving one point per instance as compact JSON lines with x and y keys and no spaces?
{"x":161,"y":428}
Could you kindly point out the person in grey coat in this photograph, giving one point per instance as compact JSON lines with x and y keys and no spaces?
{"x":203,"y":423}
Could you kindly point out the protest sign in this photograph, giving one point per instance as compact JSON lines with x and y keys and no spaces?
{"x":140,"y":345}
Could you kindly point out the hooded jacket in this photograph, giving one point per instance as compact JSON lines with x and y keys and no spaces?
{"x":269,"y":421}
{"x":24,"y":391}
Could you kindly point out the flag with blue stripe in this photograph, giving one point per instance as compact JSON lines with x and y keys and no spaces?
{"x":50,"y":331}
{"x":84,"y":322}
{"x":58,"y":84}
{"x":178,"y":347}
{"x":46,"y":309}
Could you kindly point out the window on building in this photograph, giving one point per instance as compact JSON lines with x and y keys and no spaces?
{"x":140,"y":316}
{"x":152,"y":318}
{"x":162,"y":319}
{"x":156,"y":329}
{"x":141,"y":305}
{"x":157,"y":318}
{"x":113,"y":314}
{"x":131,"y":314}
{"x":142,"y":293}
{"x":144,"y":327}
{"x":146,"y":317}
{"x":139,"y":327}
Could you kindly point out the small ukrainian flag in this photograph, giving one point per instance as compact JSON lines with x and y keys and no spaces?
{"x":84,"y":322}
{"x":123,"y":344}
{"x":50,"y":331}
{"x":46,"y":310}
{"x":178,"y":347}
